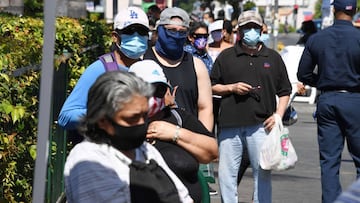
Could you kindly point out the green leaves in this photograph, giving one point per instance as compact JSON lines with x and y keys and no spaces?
{"x":16,"y":112}
{"x":21,"y":46}
{"x":32,"y":151}
{"x":6,"y":107}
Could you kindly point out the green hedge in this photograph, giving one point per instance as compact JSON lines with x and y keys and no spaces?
{"x":21,"y":49}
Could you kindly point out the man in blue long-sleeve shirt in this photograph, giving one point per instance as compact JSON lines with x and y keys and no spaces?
{"x":130,"y":36}
{"x":336,"y":53}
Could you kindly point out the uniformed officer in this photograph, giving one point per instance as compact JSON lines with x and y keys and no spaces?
{"x":336,"y":53}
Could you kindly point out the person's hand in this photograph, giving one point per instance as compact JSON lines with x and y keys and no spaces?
{"x":269,"y":123}
{"x":241,"y":88}
{"x":161,"y":130}
{"x":301,"y":88}
{"x":170,"y":97}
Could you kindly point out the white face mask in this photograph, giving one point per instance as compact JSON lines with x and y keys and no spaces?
{"x":156,"y":104}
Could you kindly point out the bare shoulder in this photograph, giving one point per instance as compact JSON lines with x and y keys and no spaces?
{"x":199,"y":65}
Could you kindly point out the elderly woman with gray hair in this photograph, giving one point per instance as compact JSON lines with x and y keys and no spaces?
{"x":113,"y":163}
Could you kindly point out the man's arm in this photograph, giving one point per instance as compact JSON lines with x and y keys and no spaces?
{"x":282,"y":105}
{"x":205,"y":105}
{"x":306,"y":68}
{"x":280,"y":110}
{"x":75,"y":104}
{"x":239,"y":88}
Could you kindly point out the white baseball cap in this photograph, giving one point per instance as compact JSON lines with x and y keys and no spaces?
{"x":149,"y":71}
{"x":217,"y":25}
{"x":129,"y":16}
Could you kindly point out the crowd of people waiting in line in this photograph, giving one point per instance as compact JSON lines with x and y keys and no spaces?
{"x":175,"y":93}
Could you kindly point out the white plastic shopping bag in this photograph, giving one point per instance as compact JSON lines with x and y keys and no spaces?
{"x":277,"y":152}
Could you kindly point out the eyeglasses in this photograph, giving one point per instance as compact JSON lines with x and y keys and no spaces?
{"x":200,"y":35}
{"x":160,"y":90}
{"x":130,"y":30}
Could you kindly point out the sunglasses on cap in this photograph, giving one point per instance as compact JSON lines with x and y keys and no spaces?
{"x":130,"y":30}
{"x":160,"y":90}
{"x":196,"y":36}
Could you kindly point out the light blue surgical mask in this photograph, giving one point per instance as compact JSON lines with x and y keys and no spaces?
{"x":133,"y":46}
{"x":265,"y":38}
{"x":207,"y":22}
{"x":251,"y":36}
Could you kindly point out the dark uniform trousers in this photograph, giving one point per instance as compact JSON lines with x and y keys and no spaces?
{"x":338,"y":117}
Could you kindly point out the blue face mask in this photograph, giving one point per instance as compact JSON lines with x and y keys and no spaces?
{"x":265,"y":38}
{"x":216,"y":35}
{"x":133,"y":46}
{"x":170,"y":44}
{"x":251,"y":36}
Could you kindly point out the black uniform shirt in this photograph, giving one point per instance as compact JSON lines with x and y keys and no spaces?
{"x":265,"y":70}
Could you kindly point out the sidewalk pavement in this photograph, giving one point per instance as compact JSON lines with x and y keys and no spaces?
{"x":301,"y":184}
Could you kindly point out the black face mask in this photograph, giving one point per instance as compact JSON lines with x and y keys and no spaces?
{"x":127,"y":138}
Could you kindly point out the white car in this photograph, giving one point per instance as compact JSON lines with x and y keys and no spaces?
{"x":291,"y":56}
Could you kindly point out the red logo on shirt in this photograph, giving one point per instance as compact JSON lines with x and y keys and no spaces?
{"x":266,"y":65}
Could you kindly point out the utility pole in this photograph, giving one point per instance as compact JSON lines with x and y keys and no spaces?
{"x":276,"y":24}
{"x":295,"y":12}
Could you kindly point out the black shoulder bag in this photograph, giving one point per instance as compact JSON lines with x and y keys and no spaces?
{"x":150,"y":183}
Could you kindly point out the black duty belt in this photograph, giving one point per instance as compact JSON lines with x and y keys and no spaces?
{"x":341,"y":91}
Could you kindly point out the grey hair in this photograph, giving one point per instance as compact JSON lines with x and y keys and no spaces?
{"x":107,"y":96}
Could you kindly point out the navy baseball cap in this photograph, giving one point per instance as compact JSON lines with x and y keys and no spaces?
{"x":344,"y":5}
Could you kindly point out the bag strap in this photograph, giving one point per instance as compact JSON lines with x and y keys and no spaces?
{"x":109,"y":62}
{"x":177,"y":116}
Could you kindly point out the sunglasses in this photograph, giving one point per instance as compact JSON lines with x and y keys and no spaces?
{"x":176,"y":33}
{"x":196,"y":36}
{"x":249,"y":26}
{"x":160,"y":90}
{"x":130,"y":30}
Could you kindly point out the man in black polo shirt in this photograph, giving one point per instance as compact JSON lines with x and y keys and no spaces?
{"x":248,"y":76}
{"x":336,"y":52}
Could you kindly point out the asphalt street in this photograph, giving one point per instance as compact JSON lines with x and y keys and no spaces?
{"x":301,"y":184}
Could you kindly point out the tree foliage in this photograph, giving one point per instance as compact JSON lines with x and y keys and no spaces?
{"x":33,"y":8}
{"x":20,"y":55}
{"x":249,"y":5}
